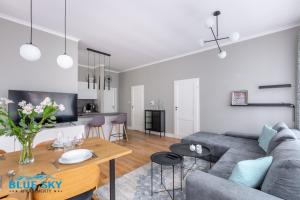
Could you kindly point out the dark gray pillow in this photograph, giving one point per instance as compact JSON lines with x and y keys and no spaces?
{"x":297,"y":132}
{"x":280,"y":126}
{"x":285,"y":134}
{"x":282,"y":179}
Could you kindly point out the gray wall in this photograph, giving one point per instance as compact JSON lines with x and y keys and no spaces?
{"x":42,"y":75}
{"x":265,"y":60}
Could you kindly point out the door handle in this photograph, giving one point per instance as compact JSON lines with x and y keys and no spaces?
{"x":176,"y":108}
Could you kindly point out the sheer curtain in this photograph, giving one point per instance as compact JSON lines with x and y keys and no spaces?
{"x":297,"y":120}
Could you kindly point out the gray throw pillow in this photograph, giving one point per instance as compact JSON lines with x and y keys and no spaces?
{"x":285,"y":134}
{"x":280,"y":126}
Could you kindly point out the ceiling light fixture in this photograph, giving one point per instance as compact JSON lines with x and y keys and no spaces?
{"x":29,"y":51}
{"x":65,"y":61}
{"x":210,"y":23}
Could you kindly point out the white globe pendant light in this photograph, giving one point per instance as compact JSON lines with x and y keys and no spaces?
{"x":210,"y":22}
{"x":235,"y":36}
{"x":29,"y":51}
{"x":222,"y":54}
{"x":65,"y":61}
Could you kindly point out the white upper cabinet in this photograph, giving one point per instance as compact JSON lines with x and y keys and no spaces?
{"x":87,"y":93}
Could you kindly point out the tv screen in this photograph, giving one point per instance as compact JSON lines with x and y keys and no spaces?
{"x":35,"y":98}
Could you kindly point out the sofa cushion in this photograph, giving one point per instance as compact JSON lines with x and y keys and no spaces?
{"x":223,"y":168}
{"x":297,"y":132}
{"x":285,"y":134}
{"x":266,"y":136}
{"x":282,"y":179}
{"x":251,"y":173}
{"x":252,"y":136}
{"x":219,"y":143}
{"x":280,"y":126}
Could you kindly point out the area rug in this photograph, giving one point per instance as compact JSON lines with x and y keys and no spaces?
{"x":136,"y":185}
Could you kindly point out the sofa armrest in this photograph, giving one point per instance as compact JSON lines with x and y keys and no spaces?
{"x":242,"y":135}
{"x":201,"y":185}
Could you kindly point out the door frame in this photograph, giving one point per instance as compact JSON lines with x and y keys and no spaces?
{"x":115,"y":99}
{"x":196,"y":104}
{"x":133,"y":126}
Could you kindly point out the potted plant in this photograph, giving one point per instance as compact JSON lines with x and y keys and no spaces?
{"x":31,"y":121}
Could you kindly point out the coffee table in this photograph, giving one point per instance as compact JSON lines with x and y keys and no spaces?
{"x":184,"y":150}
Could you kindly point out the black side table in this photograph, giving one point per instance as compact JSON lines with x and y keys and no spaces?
{"x":166,"y":159}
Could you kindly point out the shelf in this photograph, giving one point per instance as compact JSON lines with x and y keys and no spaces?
{"x":268,"y":105}
{"x":274,"y":86}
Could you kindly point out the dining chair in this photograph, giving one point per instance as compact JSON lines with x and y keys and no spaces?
{"x":118,"y":122}
{"x":2,"y":152}
{"x":77,"y":184}
{"x":96,"y":124}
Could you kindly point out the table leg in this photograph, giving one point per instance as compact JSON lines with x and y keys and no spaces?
{"x":173,"y":185}
{"x":161,"y":174}
{"x":181,"y":175}
{"x":112,"y":178}
{"x":151,"y":178}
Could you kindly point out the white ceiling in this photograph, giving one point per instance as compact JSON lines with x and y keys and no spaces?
{"x":137,"y":32}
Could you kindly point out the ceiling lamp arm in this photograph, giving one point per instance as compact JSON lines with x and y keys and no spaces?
{"x":216,"y":40}
{"x":219,"y":39}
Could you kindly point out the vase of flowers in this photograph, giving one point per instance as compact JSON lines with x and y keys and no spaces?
{"x":31,"y":121}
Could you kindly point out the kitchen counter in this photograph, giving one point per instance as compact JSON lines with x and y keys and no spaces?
{"x":97,"y":113}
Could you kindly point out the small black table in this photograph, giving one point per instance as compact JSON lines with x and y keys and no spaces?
{"x":184,"y":150}
{"x":166,"y":159}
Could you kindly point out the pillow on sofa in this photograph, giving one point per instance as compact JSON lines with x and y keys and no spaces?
{"x":285,"y":134}
{"x":251,"y":173}
{"x":282,"y":179}
{"x":280,"y":126}
{"x":264,"y":139}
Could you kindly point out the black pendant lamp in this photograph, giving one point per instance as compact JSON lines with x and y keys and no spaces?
{"x":88,"y":77}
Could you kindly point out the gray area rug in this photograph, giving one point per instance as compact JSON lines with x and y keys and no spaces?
{"x":136,"y":185}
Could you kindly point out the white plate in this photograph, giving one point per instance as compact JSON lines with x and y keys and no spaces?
{"x":75,"y":156}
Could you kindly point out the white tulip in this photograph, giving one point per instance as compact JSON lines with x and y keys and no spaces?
{"x":22,"y":103}
{"x":61,"y":107}
{"x":39,"y":109}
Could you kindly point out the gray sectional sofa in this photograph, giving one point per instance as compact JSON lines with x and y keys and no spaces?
{"x":281,"y":182}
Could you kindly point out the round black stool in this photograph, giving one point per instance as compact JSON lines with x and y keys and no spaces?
{"x":166,"y":159}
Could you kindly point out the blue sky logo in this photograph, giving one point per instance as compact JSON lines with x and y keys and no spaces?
{"x":41,"y":182}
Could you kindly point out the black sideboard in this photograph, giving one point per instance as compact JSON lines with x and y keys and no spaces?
{"x":155,"y":120}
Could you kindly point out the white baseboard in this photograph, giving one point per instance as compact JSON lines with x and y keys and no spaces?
{"x":172,"y":135}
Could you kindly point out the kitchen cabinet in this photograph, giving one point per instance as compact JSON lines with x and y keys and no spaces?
{"x":87,"y":93}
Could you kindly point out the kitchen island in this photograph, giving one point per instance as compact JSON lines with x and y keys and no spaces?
{"x":85,"y":118}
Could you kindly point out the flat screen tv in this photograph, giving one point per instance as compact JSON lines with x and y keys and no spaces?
{"x":35,"y":98}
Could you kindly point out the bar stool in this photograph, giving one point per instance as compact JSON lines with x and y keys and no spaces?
{"x":119,"y":121}
{"x":96,"y":123}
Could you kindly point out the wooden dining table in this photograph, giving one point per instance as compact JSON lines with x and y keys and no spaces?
{"x":46,"y":161}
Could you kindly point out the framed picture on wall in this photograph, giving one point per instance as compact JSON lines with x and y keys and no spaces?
{"x":239,"y":97}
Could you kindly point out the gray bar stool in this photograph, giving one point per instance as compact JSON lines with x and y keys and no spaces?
{"x":96,"y":123}
{"x":120,"y":120}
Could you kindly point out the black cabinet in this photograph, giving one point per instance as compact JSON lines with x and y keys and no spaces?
{"x":155,"y":120}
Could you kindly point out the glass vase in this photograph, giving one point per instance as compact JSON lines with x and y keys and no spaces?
{"x":26,"y":156}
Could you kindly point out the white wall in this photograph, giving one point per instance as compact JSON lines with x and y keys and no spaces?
{"x":42,"y":75}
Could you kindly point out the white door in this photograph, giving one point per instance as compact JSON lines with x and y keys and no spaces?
{"x":110,"y":100}
{"x":137,"y":107}
{"x":186,"y":106}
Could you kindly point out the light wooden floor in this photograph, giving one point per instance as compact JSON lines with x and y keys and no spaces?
{"x":142,"y":146}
